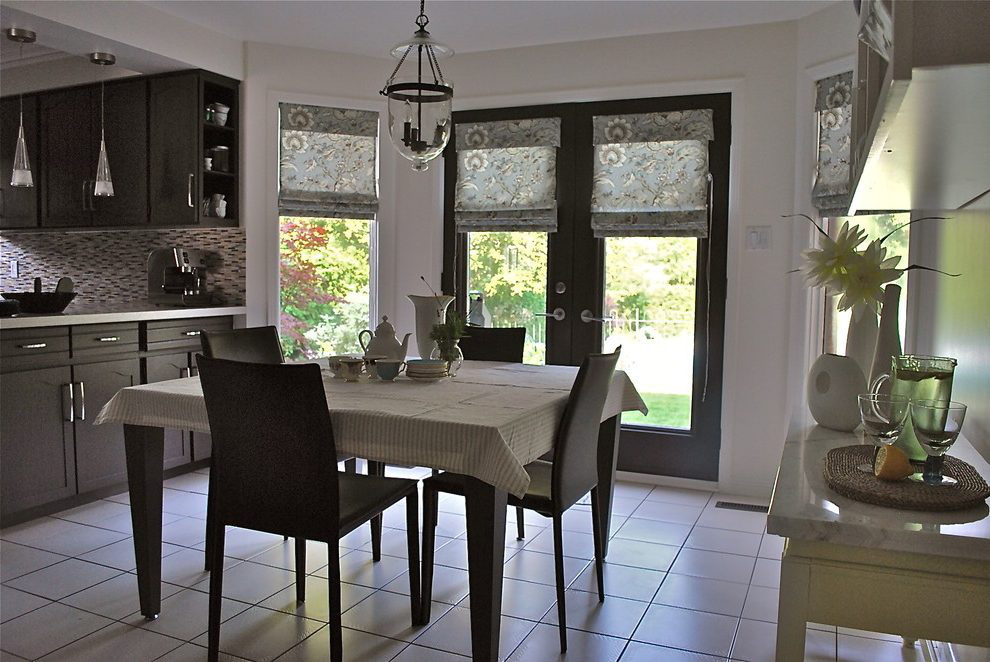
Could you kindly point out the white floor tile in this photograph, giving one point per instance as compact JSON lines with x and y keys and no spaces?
{"x":190,"y":482}
{"x":358,"y":647}
{"x":44,"y":630}
{"x":756,"y":641}
{"x":245,"y":543}
{"x":767,"y":573}
{"x":702,"y":594}
{"x":62,"y":579}
{"x":771,"y":547}
{"x":358,"y":568}
{"x":696,"y":631}
{"x":450,"y":585}
{"x":116,"y":642}
{"x":240,"y":635}
{"x":543,"y":643}
{"x":616,"y":617}
{"x":14,"y":603}
{"x":576,"y":545}
{"x":665,"y":533}
{"x":641,"y":554}
{"x":668,"y":512}
{"x":317,"y":604}
{"x":630,"y":490}
{"x":387,"y":615}
{"x":61,"y":536}
{"x":724,"y":540}
{"x":252,"y":582}
{"x":621,"y":581}
{"x":452,"y":632}
{"x":523,"y":599}
{"x":115,"y":598}
{"x":95,"y":512}
{"x":761,"y":604}
{"x":194,"y":653}
{"x":186,"y":531}
{"x":876,"y":650}
{"x":681,"y":495}
{"x":17,"y":560}
{"x":414,"y":653}
{"x":637,"y":651}
{"x":188,"y":504}
{"x":185,"y":615}
{"x":714,"y":565}
{"x":185,"y":567}
{"x":735,"y":520}
{"x":539,"y":568}
{"x":120,"y":554}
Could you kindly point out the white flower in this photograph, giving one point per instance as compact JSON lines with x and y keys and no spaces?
{"x":476,"y":137}
{"x":829,"y":265}
{"x":295,"y":141}
{"x":831,"y":118}
{"x":611,"y":155}
{"x":618,"y":130}
{"x":300,"y":118}
{"x":476,"y":161}
{"x":866,"y":276}
{"x":838,"y":95}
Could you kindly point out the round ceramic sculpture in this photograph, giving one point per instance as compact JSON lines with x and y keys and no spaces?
{"x":833,"y":384}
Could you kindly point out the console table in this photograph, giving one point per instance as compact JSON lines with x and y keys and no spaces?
{"x":920,"y":575}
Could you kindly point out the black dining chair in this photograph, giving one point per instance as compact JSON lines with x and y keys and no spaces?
{"x":257,"y":344}
{"x":507,"y":344}
{"x":554,"y":486}
{"x":276,"y":471}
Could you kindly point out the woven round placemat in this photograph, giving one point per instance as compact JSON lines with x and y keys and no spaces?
{"x":843,"y":475}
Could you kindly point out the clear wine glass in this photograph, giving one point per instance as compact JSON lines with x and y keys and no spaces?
{"x":937,"y":424}
{"x":883,"y":417}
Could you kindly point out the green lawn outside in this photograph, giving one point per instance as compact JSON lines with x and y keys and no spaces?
{"x":668,"y":410}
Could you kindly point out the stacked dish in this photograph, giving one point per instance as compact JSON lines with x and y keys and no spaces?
{"x":426,"y":370}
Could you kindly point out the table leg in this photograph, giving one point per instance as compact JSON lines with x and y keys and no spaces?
{"x":608,"y":453}
{"x":144,"y":447}
{"x":792,"y":609}
{"x":485,"y":508}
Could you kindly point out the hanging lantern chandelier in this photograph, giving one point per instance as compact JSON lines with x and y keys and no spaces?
{"x":419,"y":122}
{"x":103,"y":186}
{"x":21,"y":175}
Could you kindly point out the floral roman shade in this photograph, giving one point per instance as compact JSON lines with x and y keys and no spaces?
{"x":327,"y":162}
{"x":651,"y":174}
{"x":507,"y":176}
{"x":833,"y":112}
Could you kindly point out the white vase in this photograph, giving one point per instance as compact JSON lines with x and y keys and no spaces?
{"x":430,"y":310}
{"x":833,"y":384}
{"x":888,"y":337}
{"x":861,"y":339}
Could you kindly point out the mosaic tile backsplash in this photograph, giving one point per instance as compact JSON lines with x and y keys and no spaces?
{"x":111,"y":267}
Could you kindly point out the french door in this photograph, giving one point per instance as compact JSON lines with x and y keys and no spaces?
{"x":661,"y":298}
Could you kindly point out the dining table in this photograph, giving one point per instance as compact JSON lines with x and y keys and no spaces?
{"x":487,"y":423}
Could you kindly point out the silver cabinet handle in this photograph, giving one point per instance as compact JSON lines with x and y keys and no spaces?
{"x":189,"y":190}
{"x":587,"y":316}
{"x":184,"y":372}
{"x":33,"y":345}
{"x":82,"y":401}
{"x":108,"y":339}
{"x":191,"y":333}
{"x":71,"y":416}
{"x":558,"y":314}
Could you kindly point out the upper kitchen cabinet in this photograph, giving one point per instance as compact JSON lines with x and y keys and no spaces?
{"x":173,"y":116}
{"x":70,"y":146}
{"x":18,"y":204}
{"x":921,"y":133}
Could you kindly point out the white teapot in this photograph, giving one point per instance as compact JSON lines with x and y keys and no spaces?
{"x":383,"y":342}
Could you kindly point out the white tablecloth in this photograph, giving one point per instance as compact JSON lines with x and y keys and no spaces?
{"x":487,"y":422}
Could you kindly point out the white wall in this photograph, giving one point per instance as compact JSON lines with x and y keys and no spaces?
{"x":759,"y":64}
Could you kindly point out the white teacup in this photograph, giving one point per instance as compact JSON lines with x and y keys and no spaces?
{"x":389,"y":369}
{"x":351,"y":369}
{"x":370,"y":361}
{"x":333,"y":363}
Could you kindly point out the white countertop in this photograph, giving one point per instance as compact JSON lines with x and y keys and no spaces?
{"x":803,"y":507}
{"x":136,"y":311}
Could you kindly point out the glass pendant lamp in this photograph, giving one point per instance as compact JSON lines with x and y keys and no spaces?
{"x":21,"y":175}
{"x":103,"y":187}
{"x":419,"y":122}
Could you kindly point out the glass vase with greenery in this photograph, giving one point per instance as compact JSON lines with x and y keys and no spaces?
{"x":446,"y":334}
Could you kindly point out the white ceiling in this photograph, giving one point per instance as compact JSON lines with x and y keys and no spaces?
{"x":370,"y":27}
{"x":12,"y":53}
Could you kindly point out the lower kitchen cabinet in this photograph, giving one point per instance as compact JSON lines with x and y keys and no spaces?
{"x":37,"y":458}
{"x":178,"y":449}
{"x":100,"y":455}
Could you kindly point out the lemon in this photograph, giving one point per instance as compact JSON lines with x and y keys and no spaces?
{"x":892,"y":464}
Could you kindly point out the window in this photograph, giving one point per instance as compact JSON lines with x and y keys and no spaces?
{"x":328,"y":198}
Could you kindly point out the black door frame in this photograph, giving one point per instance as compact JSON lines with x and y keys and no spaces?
{"x":683,"y":453}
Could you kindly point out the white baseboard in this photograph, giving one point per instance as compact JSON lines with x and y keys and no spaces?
{"x":668,"y":481}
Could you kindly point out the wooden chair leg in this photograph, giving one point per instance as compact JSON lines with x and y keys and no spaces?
{"x":333,"y":593}
{"x":216,"y":592}
{"x":596,"y":528}
{"x":412,"y":543}
{"x":520,"y":523}
{"x":558,"y":558}
{"x":430,"y":514}
{"x":300,"y":570}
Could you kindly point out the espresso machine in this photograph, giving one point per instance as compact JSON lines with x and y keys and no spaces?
{"x":178,"y":277}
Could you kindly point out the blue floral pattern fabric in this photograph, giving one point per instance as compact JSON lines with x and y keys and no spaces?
{"x":651,"y":174}
{"x":507,"y":176}
{"x":833,"y":113}
{"x":327,"y":162}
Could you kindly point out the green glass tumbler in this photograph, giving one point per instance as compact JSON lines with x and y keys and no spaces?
{"x":917,"y":377}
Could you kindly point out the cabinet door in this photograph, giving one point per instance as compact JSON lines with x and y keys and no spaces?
{"x":100,"y":448}
{"x":36,"y":455}
{"x":18,"y":204}
{"x":67,"y":159}
{"x":126,"y":126}
{"x":175,"y":152}
{"x":160,"y":369}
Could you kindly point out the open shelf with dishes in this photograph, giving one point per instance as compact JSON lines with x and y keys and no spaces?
{"x":220,"y":134}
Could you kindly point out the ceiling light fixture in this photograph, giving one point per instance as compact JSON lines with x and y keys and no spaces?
{"x":21,"y":175}
{"x":419,"y":122}
{"x":104,"y":185}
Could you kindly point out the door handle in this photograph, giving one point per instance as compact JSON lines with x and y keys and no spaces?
{"x":587,"y":316}
{"x":558,"y":314}
{"x":191,"y":333}
{"x":82,"y":401}
{"x":33,"y":345}
{"x":108,"y":339}
{"x":189,"y":190}
{"x":67,"y":389}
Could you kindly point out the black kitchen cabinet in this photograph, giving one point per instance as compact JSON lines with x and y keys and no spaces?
{"x":67,"y":158}
{"x":37,"y":459}
{"x":126,"y":112}
{"x":178,"y":449}
{"x":175,"y":146}
{"x":18,"y":205}
{"x":100,"y":455}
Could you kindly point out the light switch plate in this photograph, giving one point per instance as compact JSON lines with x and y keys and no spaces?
{"x":758,"y":237}
{"x":15,"y":269}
